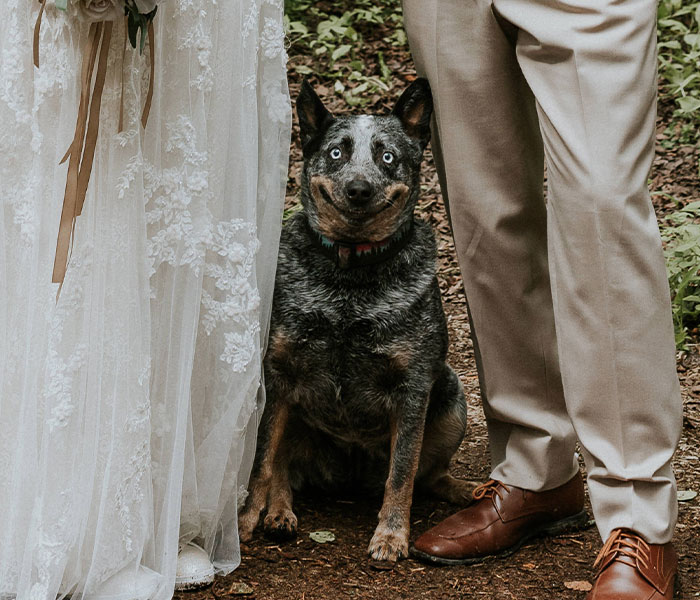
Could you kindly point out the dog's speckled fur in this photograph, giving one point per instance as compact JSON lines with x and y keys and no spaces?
{"x":358,"y":390}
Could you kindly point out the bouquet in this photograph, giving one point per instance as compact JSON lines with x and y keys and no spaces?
{"x":101,"y":14}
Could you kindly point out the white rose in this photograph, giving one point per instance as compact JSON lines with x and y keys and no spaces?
{"x":100,"y":10}
{"x":146,"y":6}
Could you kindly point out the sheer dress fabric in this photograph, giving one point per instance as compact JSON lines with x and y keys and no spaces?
{"x":128,"y":408}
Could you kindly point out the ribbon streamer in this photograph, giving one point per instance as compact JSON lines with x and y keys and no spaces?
{"x":149,"y":95}
{"x":37,"y":30}
{"x":120,"y":128}
{"x":82,"y":150}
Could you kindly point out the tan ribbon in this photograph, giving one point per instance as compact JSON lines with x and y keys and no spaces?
{"x":120,"y":128}
{"x":37,"y":30}
{"x":149,"y":95}
{"x":94,"y":122}
{"x":82,"y":150}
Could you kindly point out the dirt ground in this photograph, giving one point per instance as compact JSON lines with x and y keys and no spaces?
{"x":546,"y":568}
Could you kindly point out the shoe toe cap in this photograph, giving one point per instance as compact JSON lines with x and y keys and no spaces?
{"x":434,"y":544}
{"x":193,"y":568}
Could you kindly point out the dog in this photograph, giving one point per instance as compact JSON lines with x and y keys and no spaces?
{"x":358,"y":389}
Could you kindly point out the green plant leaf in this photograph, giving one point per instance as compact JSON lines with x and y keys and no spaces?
{"x":686,"y":495}
{"x":692,"y":39}
{"x":340,"y":51}
{"x":322,"y":537}
{"x":688,"y":104}
{"x":360,"y":89}
{"x":353,"y":100}
{"x":386,"y":71}
{"x":692,"y":207}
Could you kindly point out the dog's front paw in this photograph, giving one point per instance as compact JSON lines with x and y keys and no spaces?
{"x":388,"y":544}
{"x":280,"y":524}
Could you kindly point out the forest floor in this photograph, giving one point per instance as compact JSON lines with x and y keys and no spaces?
{"x":546,"y":568}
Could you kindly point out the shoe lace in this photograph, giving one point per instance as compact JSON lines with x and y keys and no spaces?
{"x":623,"y":543}
{"x":489,"y":489}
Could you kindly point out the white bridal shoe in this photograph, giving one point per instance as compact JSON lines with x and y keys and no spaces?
{"x":130,"y":583}
{"x":194,"y":569}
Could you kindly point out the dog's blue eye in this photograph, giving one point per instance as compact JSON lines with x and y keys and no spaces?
{"x":336,"y":153}
{"x":388,"y":158}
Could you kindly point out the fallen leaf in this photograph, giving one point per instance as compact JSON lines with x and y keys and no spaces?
{"x":239,"y":589}
{"x":580,"y":586}
{"x":322,"y":537}
{"x":686,"y":495}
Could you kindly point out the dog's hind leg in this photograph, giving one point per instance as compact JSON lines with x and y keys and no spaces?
{"x":262,"y":480}
{"x":446,"y":423}
{"x":390,"y":539}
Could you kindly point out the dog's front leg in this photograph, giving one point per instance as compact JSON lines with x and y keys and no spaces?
{"x":280,"y":522}
{"x":390,"y":539}
{"x":263,"y":475}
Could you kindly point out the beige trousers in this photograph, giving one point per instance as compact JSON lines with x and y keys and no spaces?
{"x":569,"y":300}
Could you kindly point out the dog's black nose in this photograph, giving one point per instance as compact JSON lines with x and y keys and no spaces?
{"x":359,"y":191}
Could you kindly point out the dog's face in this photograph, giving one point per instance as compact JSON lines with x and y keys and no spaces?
{"x":361,"y":173}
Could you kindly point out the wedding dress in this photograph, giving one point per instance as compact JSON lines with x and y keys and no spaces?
{"x":128,"y":407}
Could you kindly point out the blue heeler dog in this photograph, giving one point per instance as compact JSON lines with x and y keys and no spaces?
{"x":358,"y":390}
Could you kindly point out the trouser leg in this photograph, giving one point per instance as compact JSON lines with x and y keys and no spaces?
{"x":491,"y":150}
{"x":592,"y":68}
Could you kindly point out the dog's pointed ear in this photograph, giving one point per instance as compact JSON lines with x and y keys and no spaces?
{"x":414,"y":109}
{"x":314,"y":118}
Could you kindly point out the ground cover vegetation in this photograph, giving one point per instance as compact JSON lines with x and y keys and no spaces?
{"x":679,"y":65}
{"x":682,"y":250}
{"x":679,"y":85}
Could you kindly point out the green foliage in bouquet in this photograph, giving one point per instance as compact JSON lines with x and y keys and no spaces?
{"x":137,"y":23}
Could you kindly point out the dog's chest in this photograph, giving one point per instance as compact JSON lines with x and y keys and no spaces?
{"x":346,"y":375}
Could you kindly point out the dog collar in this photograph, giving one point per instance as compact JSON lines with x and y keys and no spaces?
{"x":347,"y":255}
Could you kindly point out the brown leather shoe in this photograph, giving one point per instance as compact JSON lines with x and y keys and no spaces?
{"x":632,"y":569}
{"x":501,"y":520}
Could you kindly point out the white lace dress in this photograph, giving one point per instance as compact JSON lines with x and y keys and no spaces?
{"x":128,"y":408}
